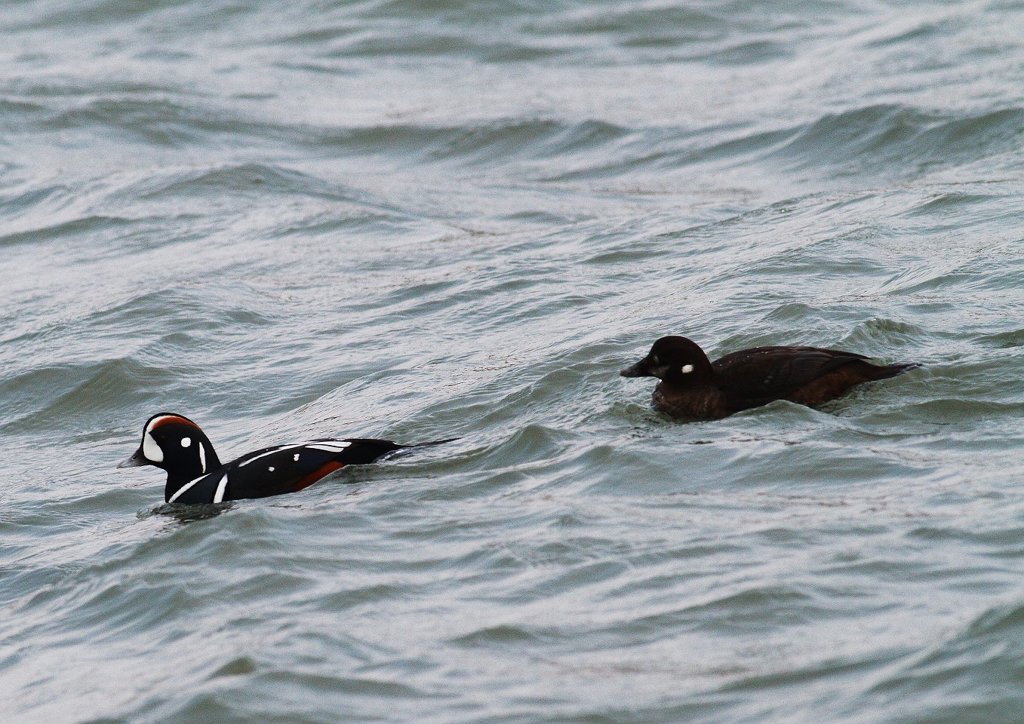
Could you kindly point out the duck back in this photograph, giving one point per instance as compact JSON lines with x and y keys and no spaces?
{"x":806,"y":375}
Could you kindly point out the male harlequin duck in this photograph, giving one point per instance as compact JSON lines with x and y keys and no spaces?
{"x":695,"y":388}
{"x":195,"y":474}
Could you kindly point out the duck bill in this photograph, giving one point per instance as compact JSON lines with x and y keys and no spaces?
{"x":136,"y":460}
{"x":640,"y":369}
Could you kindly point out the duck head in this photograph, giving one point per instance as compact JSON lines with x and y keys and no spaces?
{"x":673,"y":359}
{"x":175,"y":444}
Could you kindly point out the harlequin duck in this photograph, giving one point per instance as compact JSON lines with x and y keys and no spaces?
{"x":195,"y":474}
{"x":693,"y":387}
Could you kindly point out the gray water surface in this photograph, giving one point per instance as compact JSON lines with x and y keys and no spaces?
{"x":418,"y":220}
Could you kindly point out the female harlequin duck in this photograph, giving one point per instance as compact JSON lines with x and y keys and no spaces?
{"x":195,"y":474}
{"x":695,"y":388}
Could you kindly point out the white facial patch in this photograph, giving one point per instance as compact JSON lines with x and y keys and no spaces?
{"x":151,"y":450}
{"x":186,"y":441}
{"x":270,"y":469}
{"x":295,"y":457}
{"x":686,"y":369}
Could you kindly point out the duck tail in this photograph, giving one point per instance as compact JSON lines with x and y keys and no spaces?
{"x":881,"y":372}
{"x":432,"y":442}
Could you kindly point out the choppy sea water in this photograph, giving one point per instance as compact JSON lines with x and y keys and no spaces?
{"x":416,"y":220}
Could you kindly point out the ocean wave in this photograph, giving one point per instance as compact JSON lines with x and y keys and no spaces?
{"x":902,"y":141}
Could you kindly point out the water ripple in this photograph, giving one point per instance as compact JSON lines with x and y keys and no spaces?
{"x":421,"y":220}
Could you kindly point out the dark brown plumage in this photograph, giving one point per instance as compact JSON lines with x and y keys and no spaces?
{"x":695,"y":388}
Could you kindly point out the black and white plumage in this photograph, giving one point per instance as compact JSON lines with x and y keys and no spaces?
{"x":195,"y":474}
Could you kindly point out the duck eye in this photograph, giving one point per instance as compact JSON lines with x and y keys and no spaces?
{"x":655,"y":360}
{"x":186,"y":441}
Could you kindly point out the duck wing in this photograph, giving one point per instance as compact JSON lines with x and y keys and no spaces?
{"x":756,"y":376}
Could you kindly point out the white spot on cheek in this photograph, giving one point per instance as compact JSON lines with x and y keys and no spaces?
{"x":151,"y":450}
{"x":686,"y":369}
{"x":295,"y":457}
{"x":271,"y":468}
{"x":186,"y":441}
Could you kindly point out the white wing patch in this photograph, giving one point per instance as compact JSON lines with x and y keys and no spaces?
{"x":334,"y":446}
{"x":331,"y":446}
{"x":271,"y":451}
